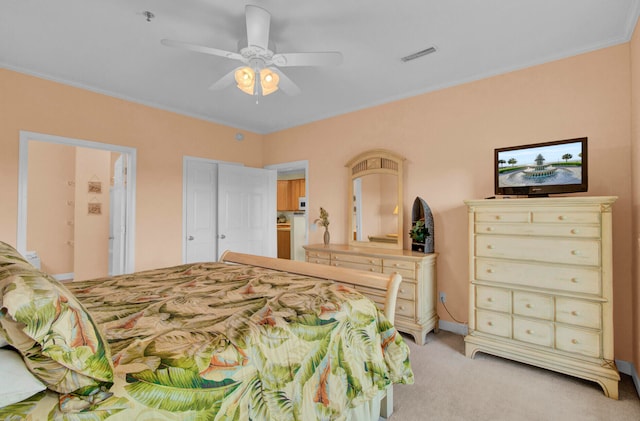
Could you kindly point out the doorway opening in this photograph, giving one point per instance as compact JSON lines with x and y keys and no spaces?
{"x":76,"y":206}
{"x":293,"y":212}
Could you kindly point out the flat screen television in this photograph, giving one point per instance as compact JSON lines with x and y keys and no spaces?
{"x":540,"y":169}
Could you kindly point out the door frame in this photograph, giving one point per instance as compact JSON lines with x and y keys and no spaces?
{"x":23,"y":170}
{"x":297,"y":165}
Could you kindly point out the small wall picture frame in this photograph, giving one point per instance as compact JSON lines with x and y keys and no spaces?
{"x":95,"y":187}
{"x":94,"y":208}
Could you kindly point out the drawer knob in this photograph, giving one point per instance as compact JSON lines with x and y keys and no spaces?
{"x":575,"y":252}
{"x":396,"y":265}
{"x":490,"y":246}
{"x":372,"y":269}
{"x":574,"y":341}
{"x":498,"y":217}
{"x":371,"y":261}
{"x":489,"y":270}
{"x":489,"y":229}
{"x":402,"y":290}
{"x":489,"y":323}
{"x":575,"y":231}
{"x":335,"y":264}
{"x":529,"y":332}
{"x":529,"y":305}
{"x":402,"y":307}
{"x":574,"y":313}
{"x":574,"y":280}
{"x":562,"y":217}
{"x":490,"y":299}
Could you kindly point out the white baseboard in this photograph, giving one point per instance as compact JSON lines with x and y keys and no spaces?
{"x":459,"y":328}
{"x":625,"y":367}
{"x":63,"y":276}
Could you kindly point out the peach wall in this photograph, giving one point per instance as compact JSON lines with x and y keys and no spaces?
{"x":635,"y":173}
{"x":161,"y":138}
{"x":448,"y":137}
{"x":51,"y":168}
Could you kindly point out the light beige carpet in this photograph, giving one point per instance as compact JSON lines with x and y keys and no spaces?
{"x":450,"y":386}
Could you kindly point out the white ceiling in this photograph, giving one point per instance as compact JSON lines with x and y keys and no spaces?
{"x":108,"y":46}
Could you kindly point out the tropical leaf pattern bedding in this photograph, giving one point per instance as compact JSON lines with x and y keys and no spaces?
{"x":213,"y":341}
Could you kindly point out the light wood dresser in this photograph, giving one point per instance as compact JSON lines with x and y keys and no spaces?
{"x":541,"y":284}
{"x":416,"y":305}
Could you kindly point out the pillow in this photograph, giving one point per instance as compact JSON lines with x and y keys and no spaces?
{"x":59,"y":341}
{"x":19,"y":383}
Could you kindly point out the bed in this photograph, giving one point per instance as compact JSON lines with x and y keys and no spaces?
{"x":244,"y":338}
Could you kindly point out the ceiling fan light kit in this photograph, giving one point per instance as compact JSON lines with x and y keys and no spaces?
{"x":260,"y":60}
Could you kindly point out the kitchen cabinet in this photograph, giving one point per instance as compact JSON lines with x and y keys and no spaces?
{"x":288,"y":193}
{"x":284,"y":241}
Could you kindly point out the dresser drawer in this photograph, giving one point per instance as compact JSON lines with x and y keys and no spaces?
{"x":569,"y":279}
{"x":318,"y":261}
{"x":533,"y":332}
{"x":365,"y":260}
{"x":578,"y":341}
{"x":493,"y":323}
{"x":496,"y":299}
{"x":533,"y":305}
{"x":399,"y":264}
{"x":403,"y":307}
{"x":406,"y":308}
{"x":566,"y":216}
{"x":358,"y":266}
{"x":549,"y":230}
{"x":578,"y":312}
{"x":405,"y":273}
{"x":499,"y":216}
{"x":577,"y":252}
{"x":318,"y":255}
{"x":407,"y":291}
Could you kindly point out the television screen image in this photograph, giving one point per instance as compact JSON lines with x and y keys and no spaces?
{"x":540,"y":169}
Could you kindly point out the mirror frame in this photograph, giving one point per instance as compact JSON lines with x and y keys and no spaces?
{"x":376,"y":161}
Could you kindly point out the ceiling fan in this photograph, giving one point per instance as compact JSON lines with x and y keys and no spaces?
{"x":260,"y":73}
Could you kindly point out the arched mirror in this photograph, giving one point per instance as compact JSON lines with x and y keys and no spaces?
{"x":375,"y":192}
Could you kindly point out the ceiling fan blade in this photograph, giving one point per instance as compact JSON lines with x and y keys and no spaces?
{"x":258,"y":22}
{"x":224,"y":81}
{"x":201,"y":49}
{"x":286,"y":84}
{"x":329,"y":58}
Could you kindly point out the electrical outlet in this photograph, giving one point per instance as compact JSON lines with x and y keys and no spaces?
{"x":443,"y":297}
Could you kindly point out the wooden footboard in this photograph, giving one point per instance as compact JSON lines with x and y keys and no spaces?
{"x":387,"y":284}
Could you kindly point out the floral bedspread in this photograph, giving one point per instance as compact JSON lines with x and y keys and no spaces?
{"x":233,"y":342}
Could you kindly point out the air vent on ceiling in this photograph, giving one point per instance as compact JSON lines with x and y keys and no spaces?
{"x":419,"y":54}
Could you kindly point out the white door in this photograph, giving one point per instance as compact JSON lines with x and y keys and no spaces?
{"x":201,"y":211}
{"x":237,"y":202}
{"x":247,"y":210}
{"x":117,"y":218}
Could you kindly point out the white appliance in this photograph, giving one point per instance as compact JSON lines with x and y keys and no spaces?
{"x":298,"y":236}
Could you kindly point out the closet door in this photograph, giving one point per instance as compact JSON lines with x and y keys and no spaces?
{"x":228,"y":207}
{"x":247,"y":210}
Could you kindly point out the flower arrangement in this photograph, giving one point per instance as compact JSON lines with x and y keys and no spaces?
{"x":419,"y":232}
{"x":323,"y":221}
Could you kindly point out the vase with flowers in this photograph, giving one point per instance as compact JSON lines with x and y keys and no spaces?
{"x":323,"y":221}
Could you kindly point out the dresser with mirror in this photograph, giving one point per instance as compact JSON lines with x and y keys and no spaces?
{"x":375,"y":241}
